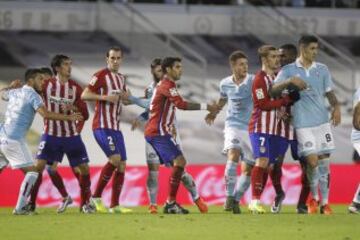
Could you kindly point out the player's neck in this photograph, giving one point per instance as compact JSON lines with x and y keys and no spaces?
{"x":268,"y":70}
{"x":62,"y":79}
{"x":305,"y":63}
{"x":238,"y":79}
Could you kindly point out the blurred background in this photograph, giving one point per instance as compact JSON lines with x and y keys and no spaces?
{"x":202,"y":32}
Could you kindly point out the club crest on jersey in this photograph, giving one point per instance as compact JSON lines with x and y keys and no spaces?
{"x":173,"y":92}
{"x":259,"y":93}
{"x":308,"y":144}
{"x":235,"y":141}
{"x":93,"y":80}
{"x":262,"y":149}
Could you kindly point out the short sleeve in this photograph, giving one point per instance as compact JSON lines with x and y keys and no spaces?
{"x":36,"y":101}
{"x":282,"y":76}
{"x":96,"y":82}
{"x":223,"y":93}
{"x":328,"y":83}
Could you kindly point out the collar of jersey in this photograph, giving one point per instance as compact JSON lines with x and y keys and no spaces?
{"x":299,"y":65}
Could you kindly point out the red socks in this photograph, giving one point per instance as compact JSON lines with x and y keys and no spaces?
{"x":174,"y":182}
{"x":104,"y":178}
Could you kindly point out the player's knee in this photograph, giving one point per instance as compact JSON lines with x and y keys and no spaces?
{"x":51,"y":170}
{"x":262,"y":162}
{"x":153,"y":167}
{"x":233,"y":155}
{"x":83,"y":169}
{"x":180,"y":161}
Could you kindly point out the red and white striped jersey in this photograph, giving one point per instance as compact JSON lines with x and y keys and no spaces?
{"x":264,"y":115}
{"x":163,"y":104}
{"x":107,"y":114}
{"x":56,"y":94}
{"x":284,"y":128}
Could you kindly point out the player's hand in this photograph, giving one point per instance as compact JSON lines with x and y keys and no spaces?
{"x":213,"y":108}
{"x":135,"y":124}
{"x":210,"y":118}
{"x":336,"y":116}
{"x":76,"y":117}
{"x":68,"y":107}
{"x":17,"y":83}
{"x":173,"y":131}
{"x":284,"y":116}
{"x":299,"y":83}
{"x":125,"y":95}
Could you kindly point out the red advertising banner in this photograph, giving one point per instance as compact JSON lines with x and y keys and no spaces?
{"x":209,"y":180}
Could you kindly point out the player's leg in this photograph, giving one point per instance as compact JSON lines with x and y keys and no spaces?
{"x":243,"y":185}
{"x":279,"y":146}
{"x":232,"y":149}
{"x":108,"y":146}
{"x":261,"y":151}
{"x":76,"y":153}
{"x":190,"y":185}
{"x":119,"y":160}
{"x":325,"y":145}
{"x":355,"y":205}
{"x":152,"y":182}
{"x":305,"y":189}
{"x":247,"y":163}
{"x":169,"y":155}
{"x":307,"y":149}
{"x":57,"y":180}
{"x":19,"y":157}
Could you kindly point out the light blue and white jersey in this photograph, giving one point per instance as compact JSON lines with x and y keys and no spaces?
{"x":20,"y":112}
{"x":310,"y":110}
{"x":239,"y":99}
{"x":355,"y":134}
{"x":144,"y":102}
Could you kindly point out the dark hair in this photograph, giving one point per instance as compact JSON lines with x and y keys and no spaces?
{"x":57,"y":61}
{"x":236,"y":55}
{"x":169,"y":62}
{"x":264,"y":50}
{"x":31,"y":73}
{"x":155,"y":62}
{"x":307,"y":39}
{"x":290,"y":47}
{"x":114,"y":48}
{"x":46,"y":70}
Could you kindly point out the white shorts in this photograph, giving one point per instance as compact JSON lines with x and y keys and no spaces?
{"x":239,"y":139}
{"x":315,"y":140}
{"x":15,"y":152}
{"x":151,"y":155}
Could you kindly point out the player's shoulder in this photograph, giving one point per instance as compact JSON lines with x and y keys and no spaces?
{"x":74,"y":83}
{"x":289,"y":67}
{"x":226,"y":80}
{"x":166,"y":83}
{"x":321,"y":66}
{"x":101,"y":73}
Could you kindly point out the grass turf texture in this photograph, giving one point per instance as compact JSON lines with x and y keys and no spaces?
{"x":217,"y":224}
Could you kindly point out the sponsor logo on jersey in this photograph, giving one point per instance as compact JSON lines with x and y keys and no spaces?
{"x":173,"y":92}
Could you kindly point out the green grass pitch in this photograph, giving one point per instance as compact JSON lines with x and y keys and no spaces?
{"x":217,"y":225}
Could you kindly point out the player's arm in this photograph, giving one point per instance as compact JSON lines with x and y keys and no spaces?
{"x":58,"y":116}
{"x":210,"y":118}
{"x":88,"y":95}
{"x":17,"y":83}
{"x":262,"y":98}
{"x":291,"y":83}
{"x":356,"y":117}
{"x":334,"y":103}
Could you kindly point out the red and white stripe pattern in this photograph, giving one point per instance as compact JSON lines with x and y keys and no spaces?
{"x":56,"y":94}
{"x":107,"y":114}
{"x":163,"y":106}
{"x":285,"y":129}
{"x":263,"y":121}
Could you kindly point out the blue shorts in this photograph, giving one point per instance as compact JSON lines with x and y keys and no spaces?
{"x":294,"y":149}
{"x":165,"y":147}
{"x":268,"y":146}
{"x":52,"y":149}
{"x":111,"y":142}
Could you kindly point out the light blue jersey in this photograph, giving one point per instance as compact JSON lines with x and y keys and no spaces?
{"x":355,"y":134}
{"x":239,"y":99}
{"x":310,"y":110}
{"x":20,"y":111}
